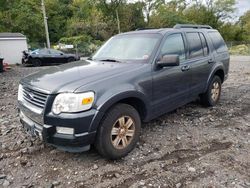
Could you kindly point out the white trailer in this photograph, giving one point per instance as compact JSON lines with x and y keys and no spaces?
{"x":11,"y":47}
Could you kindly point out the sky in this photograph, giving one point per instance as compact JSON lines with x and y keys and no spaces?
{"x":243,"y":6}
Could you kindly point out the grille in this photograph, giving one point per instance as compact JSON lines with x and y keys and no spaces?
{"x":35,"y":98}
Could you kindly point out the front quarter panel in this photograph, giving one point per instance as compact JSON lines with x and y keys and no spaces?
{"x":112,"y":97}
{"x":135,"y":83}
{"x":126,"y":91}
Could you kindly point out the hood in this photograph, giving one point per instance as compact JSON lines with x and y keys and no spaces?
{"x":69,"y":77}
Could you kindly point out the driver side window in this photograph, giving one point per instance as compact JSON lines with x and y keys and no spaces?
{"x":174,"y":45}
{"x":55,"y":52}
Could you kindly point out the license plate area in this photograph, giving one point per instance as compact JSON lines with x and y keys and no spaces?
{"x":31,"y":129}
{"x":30,"y":126}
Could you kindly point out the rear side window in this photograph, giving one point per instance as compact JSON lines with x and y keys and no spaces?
{"x":195,"y":45}
{"x":218,"y":41}
{"x":204,"y":44}
{"x":174,"y":45}
{"x":55,"y":52}
{"x":44,"y":51}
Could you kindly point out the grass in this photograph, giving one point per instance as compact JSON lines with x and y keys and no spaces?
{"x":242,"y":49}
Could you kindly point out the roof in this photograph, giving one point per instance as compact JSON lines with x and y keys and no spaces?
{"x":163,"y":31}
{"x":150,"y":31}
{"x":12,"y":35}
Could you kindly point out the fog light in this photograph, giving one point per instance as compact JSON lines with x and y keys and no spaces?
{"x":64,"y":130}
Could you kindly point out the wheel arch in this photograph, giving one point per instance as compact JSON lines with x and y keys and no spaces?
{"x":218,"y":71}
{"x":36,"y":58}
{"x":133,"y":98}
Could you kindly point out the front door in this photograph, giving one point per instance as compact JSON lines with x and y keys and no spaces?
{"x":171,"y":84}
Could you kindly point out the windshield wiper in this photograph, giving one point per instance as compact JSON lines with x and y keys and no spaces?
{"x":110,"y":60}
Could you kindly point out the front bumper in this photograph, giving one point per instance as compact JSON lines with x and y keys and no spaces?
{"x":82,"y":137}
{"x":25,"y":61}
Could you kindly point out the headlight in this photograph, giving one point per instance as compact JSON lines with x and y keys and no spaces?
{"x":73,"y":102}
{"x":20,"y":93}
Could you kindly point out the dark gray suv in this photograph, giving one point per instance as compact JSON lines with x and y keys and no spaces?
{"x":134,"y":77}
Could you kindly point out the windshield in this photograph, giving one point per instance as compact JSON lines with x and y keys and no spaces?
{"x":128,"y":47}
{"x":35,"y":51}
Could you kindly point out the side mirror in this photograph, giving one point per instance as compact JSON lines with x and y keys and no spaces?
{"x":61,"y":53}
{"x":169,"y":60}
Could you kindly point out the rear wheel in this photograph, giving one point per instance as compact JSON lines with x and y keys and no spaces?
{"x":71,"y":59}
{"x":119,"y":132}
{"x":212,"y":95}
{"x":36,"y":62}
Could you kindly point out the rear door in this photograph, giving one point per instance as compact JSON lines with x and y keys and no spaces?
{"x":220,"y":52}
{"x":171,"y":84}
{"x":199,"y":60}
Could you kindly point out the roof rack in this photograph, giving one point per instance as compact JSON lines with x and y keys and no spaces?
{"x":180,"y":26}
{"x":147,"y":28}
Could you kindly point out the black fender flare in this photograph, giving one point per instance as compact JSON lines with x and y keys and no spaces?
{"x":214,"y":70}
{"x":114,"y":99}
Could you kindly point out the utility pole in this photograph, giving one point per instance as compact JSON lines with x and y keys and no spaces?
{"x":45,"y":24}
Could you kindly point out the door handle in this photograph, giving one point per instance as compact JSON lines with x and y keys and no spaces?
{"x":210,"y":61}
{"x":185,"y":68}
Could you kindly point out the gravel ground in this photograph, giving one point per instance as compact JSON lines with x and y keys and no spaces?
{"x":190,"y":147}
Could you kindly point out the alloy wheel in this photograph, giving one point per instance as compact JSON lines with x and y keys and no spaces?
{"x":122,"y":132}
{"x":215,"y":92}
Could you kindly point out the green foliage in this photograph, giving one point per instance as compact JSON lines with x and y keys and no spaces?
{"x":83,"y":43}
{"x":22,"y":16}
{"x":166,"y":16}
{"x":92,"y":22}
{"x":86,"y":22}
{"x":231,"y":32}
{"x":57,"y":13}
{"x":240,"y":50}
{"x":201,"y":15}
{"x":245,"y":25}
{"x":131,"y":16}
{"x":108,"y":7}
{"x":223,"y":9}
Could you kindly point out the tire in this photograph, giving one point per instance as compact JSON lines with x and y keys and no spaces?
{"x":212,"y":95}
{"x":112,"y":136}
{"x":36,"y":62}
{"x":71,"y":59}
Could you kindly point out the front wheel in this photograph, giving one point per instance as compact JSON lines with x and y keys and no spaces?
{"x":119,"y":132}
{"x":212,"y":95}
{"x":36,"y":62}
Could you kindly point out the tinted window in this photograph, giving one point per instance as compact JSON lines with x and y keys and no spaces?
{"x":218,"y":41}
{"x":43,"y":51}
{"x":56,"y":52}
{"x":204,"y":44}
{"x":195,"y":46}
{"x":35,"y":51}
{"x":174,"y":45}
